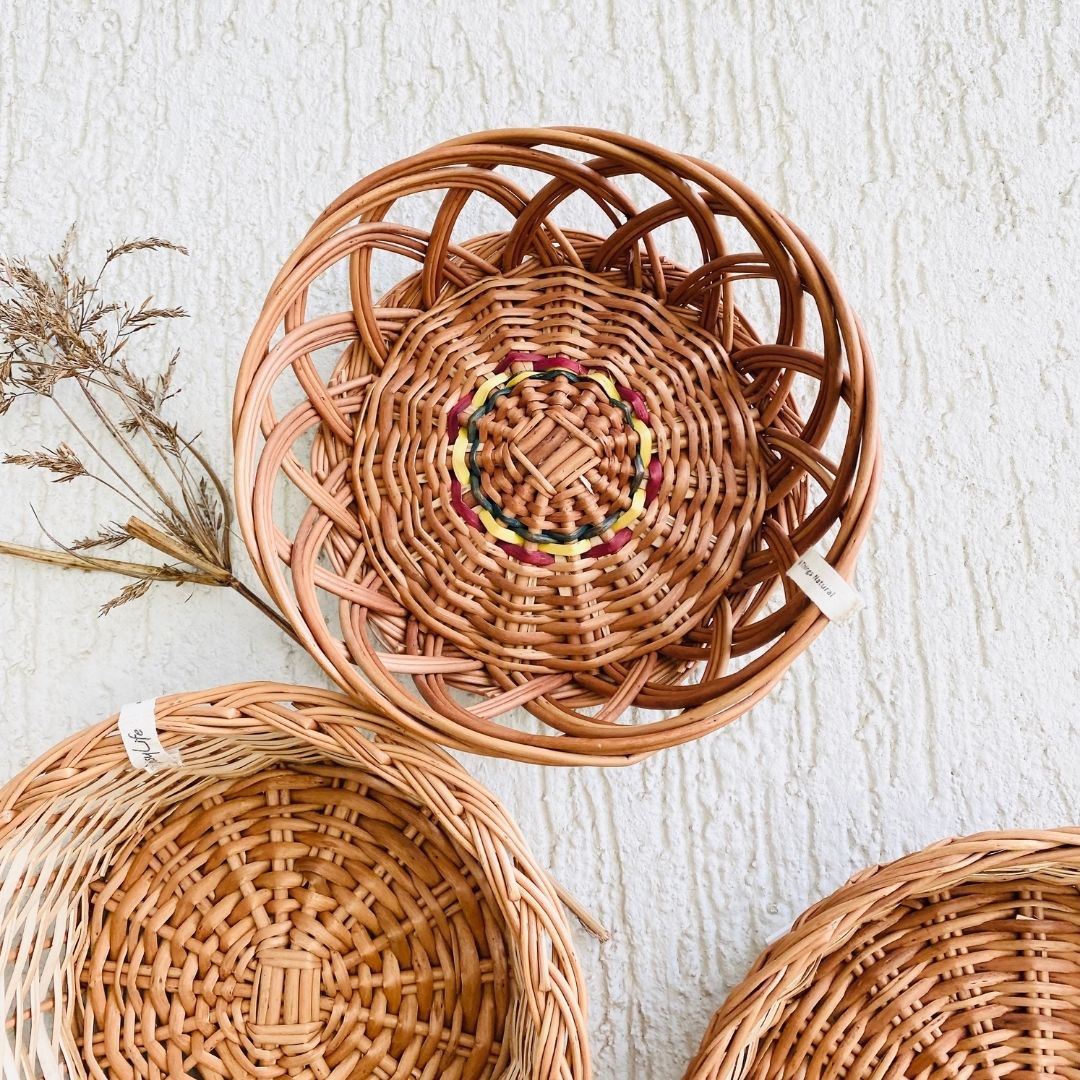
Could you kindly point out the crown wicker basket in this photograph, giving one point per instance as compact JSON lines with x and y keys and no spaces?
{"x":551,"y":468}
{"x":962,"y":960}
{"x":311,"y":895}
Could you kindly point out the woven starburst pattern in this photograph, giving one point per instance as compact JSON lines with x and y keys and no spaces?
{"x":554,"y":472}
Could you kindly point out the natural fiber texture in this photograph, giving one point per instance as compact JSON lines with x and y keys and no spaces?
{"x":962,"y":960}
{"x":312,"y":895}
{"x":552,"y":469}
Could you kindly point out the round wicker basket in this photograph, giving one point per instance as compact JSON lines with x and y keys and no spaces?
{"x":962,"y":960}
{"x":311,"y":895}
{"x":552,"y":469}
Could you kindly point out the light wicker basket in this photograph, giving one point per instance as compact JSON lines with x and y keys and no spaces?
{"x":552,"y":469}
{"x":960,"y":961}
{"x":311,"y":895}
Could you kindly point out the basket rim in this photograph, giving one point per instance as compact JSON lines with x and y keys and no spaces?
{"x":536,"y":930}
{"x":782,"y":970}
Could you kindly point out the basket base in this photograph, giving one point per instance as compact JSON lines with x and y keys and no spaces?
{"x":554,"y":471}
{"x":298,"y":922}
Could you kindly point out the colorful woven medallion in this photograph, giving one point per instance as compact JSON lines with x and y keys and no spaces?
{"x":552,"y":457}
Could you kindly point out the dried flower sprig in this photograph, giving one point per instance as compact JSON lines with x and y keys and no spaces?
{"x":63,"y":341}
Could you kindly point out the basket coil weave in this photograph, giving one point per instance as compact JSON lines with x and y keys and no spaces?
{"x":312,"y":895}
{"x":551,"y":469}
{"x":962,"y":960}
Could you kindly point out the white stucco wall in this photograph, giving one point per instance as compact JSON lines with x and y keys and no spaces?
{"x":930,"y":149}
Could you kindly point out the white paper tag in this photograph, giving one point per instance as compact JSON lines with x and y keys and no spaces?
{"x":138,"y":729}
{"x":826,"y":588}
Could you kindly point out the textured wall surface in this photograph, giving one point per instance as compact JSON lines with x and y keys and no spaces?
{"x":930,"y":149}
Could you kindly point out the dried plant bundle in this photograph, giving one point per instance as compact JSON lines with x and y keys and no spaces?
{"x":66,"y":341}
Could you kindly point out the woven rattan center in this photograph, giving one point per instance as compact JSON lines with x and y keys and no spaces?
{"x":552,"y":455}
{"x":555,"y":471}
{"x":296,"y":924}
{"x":284,"y":1010}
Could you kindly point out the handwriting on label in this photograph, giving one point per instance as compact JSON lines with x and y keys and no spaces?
{"x":138,"y":729}
{"x":834,"y":596}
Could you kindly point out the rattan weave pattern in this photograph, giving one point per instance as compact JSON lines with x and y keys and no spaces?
{"x":961,"y":960}
{"x":552,"y":469}
{"x":314,"y":895}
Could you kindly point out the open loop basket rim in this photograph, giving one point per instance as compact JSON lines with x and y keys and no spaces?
{"x":547,"y":1023}
{"x":355,"y":226}
{"x":733,"y":1044}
